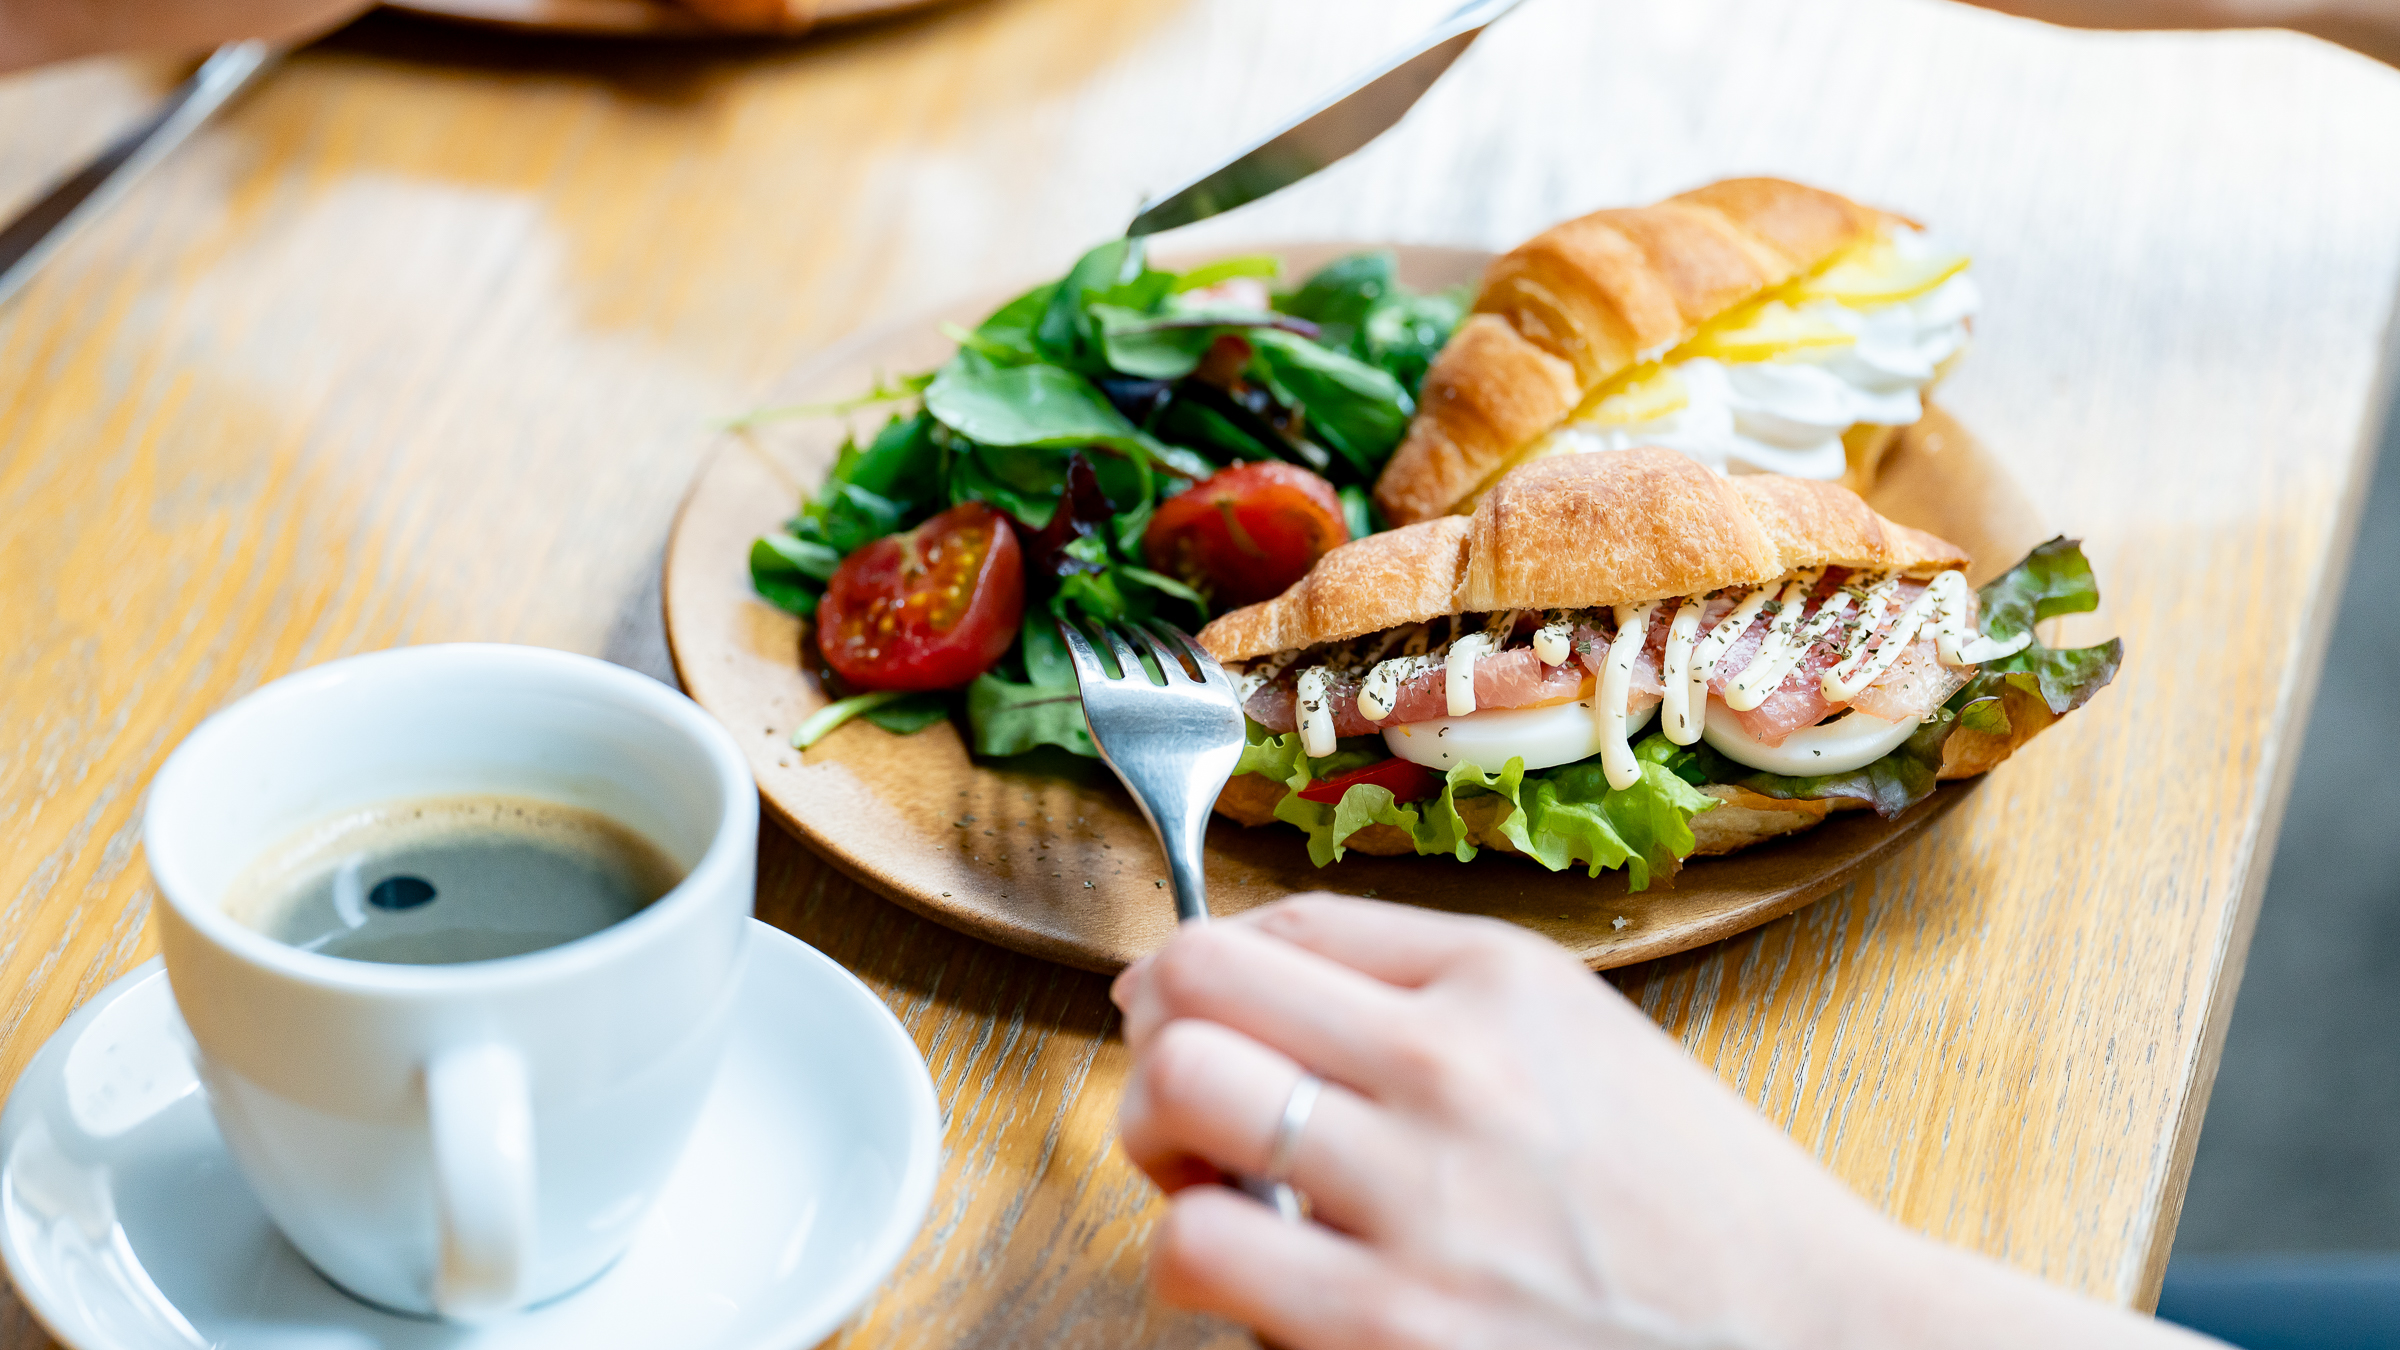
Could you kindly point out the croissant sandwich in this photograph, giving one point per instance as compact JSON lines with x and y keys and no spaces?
{"x":1623,"y":659}
{"x":1754,"y":324}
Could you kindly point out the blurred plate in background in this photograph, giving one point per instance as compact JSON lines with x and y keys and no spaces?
{"x":638,"y":18}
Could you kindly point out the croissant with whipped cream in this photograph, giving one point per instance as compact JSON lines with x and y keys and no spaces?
{"x":1756,"y":325}
{"x":1623,"y":659}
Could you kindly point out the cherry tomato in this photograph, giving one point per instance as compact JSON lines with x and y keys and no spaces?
{"x":929,"y":609}
{"x":1246,"y":533}
{"x":1407,"y":782}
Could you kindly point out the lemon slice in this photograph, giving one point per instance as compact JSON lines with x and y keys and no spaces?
{"x":1879,"y":275}
{"x":1764,"y":332}
{"x":1643,"y":394}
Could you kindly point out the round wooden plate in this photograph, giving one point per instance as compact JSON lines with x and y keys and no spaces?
{"x":1048,"y":855}
{"x":632,"y":18}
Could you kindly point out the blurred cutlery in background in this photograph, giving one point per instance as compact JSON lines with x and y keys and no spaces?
{"x":1355,"y":114}
{"x":28,"y":241}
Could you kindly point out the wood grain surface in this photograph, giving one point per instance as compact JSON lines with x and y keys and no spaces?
{"x":1054,"y":860}
{"x":414,"y":345}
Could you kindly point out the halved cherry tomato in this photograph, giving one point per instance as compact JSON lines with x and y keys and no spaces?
{"x":929,"y":609}
{"x":1246,"y":533}
{"x":1407,"y":782}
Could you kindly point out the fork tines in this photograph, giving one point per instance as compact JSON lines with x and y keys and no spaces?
{"x":1169,"y":647}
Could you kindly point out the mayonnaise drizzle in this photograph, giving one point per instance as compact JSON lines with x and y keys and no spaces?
{"x":1617,"y":763}
{"x":1316,"y":713}
{"x":1554,"y":641}
{"x":1942,"y":611}
{"x":1954,"y":639}
{"x":1263,"y":673}
{"x":1864,"y":666}
{"x":1705,"y":655}
{"x":1676,"y":671}
{"x":1458,"y":671}
{"x":1380,"y":691}
{"x":1751,"y":687}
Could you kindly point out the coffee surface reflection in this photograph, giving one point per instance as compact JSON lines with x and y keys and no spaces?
{"x":442,"y":880}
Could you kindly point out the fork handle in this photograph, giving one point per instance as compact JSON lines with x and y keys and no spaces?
{"x":1184,"y":873}
{"x":1191,"y":907}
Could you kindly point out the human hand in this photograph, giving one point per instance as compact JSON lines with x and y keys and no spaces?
{"x":35,"y":31}
{"x":1508,"y":1154}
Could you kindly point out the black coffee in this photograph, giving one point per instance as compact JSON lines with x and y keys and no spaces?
{"x":441,"y":880}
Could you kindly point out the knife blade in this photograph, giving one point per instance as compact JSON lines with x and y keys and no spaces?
{"x":1352,"y":116}
{"x":28,"y":241}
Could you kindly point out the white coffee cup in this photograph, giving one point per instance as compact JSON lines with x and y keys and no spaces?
{"x":458,"y":1140}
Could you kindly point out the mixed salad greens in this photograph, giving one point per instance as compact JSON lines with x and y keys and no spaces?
{"x":1046,"y":461}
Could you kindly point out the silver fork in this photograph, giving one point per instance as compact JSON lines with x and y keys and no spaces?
{"x":1173,"y":745}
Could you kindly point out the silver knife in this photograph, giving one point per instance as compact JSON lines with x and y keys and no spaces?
{"x":1354,"y":115}
{"x":29,"y":240}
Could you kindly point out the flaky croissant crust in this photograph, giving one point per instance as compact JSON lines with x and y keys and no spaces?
{"x":1578,"y":531}
{"x":1582,"y":303}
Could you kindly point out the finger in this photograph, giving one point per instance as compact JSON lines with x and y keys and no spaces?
{"x":1205,"y":1093}
{"x":1120,"y":988}
{"x":1397,"y":944}
{"x":1298,"y":1285}
{"x":1341,"y":1024}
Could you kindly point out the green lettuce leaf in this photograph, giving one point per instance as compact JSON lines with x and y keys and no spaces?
{"x":1009,"y":716}
{"x":1558,"y":817}
{"x":1360,"y":308}
{"x":1358,"y":410}
{"x":2054,"y":579}
{"x":1572,"y":816}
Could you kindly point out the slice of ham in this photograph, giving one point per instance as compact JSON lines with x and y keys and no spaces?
{"x":1916,"y":684}
{"x":1515,"y":678}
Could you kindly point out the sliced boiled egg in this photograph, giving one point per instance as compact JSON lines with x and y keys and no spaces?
{"x":1851,"y":741}
{"x":1545,"y":737}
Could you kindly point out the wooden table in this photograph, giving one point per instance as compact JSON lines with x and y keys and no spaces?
{"x":421,"y":344}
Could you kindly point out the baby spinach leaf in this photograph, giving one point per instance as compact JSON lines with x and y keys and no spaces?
{"x":1008,"y":718}
{"x":1358,"y":411}
{"x":1136,"y":343}
{"x":1405,"y":332}
{"x":789,"y":572}
{"x":1008,"y":332}
{"x":910,"y":713}
{"x":1049,"y":408}
{"x":1339,"y":296}
{"x":1067,"y":334}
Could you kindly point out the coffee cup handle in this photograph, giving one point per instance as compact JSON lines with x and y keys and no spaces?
{"x":480,"y":1110}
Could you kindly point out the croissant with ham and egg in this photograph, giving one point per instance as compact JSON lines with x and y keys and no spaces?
{"x":1623,"y":659}
{"x":1754,"y":324}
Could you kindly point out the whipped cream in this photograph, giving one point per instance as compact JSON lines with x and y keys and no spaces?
{"x":1787,"y":415}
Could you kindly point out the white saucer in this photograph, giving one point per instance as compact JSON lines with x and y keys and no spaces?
{"x":126,"y":1227}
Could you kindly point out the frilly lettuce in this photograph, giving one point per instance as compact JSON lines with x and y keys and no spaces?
{"x":1558,"y":817}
